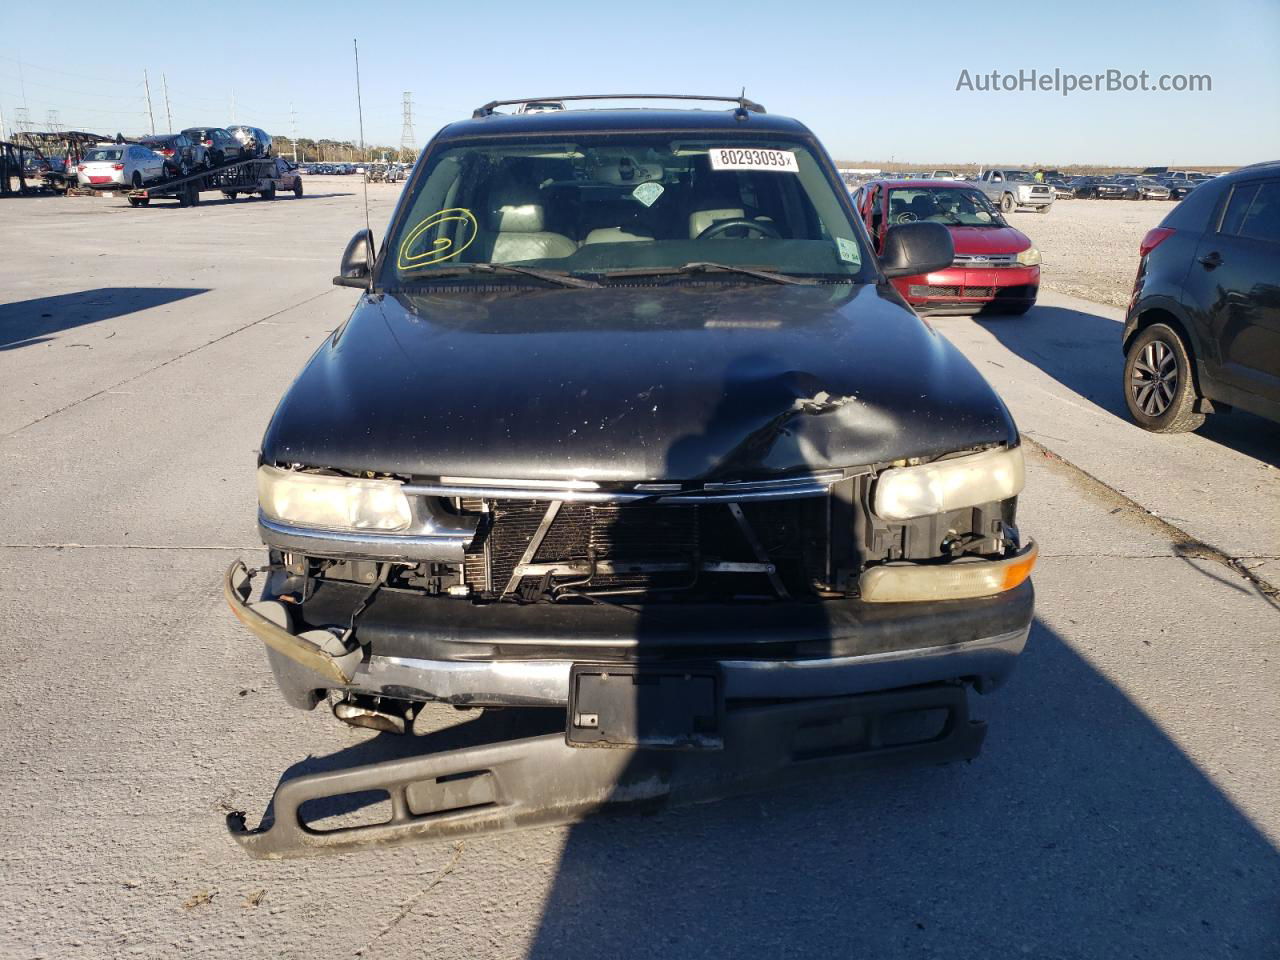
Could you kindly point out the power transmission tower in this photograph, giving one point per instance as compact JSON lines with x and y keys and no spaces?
{"x":21,"y":119}
{"x":147,"y":84}
{"x":168,"y":112}
{"x":51,"y":119}
{"x":407,"y":140}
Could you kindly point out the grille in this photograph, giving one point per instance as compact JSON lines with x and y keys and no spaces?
{"x":988,"y":260}
{"x":793,"y":533}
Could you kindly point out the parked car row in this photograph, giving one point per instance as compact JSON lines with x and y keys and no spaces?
{"x":1168,"y":186}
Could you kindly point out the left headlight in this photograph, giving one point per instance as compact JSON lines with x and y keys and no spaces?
{"x":341,"y":503}
{"x":903,"y":493}
{"x":1029,"y":257}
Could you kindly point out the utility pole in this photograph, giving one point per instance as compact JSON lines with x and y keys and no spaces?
{"x":293,"y":117}
{"x":168,"y":112}
{"x":2,"y":129}
{"x":147,"y":83}
{"x":407,"y":140}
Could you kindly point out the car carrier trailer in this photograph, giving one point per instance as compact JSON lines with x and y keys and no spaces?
{"x":244,"y":176}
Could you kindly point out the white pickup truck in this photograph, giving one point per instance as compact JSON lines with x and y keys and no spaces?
{"x":1015,"y":189}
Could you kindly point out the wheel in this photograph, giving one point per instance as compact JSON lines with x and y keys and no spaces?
{"x":297,"y":187}
{"x":1007,"y":203}
{"x":269,"y":194}
{"x":137,"y":180}
{"x":139,"y":201}
{"x":231,"y":196}
{"x":1158,"y":385}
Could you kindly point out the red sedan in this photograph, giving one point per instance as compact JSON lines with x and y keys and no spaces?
{"x":996,"y":269}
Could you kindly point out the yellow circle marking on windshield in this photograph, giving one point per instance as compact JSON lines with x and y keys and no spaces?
{"x":442,"y":248}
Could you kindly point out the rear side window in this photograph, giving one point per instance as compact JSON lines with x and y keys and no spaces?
{"x":1254,"y":211}
{"x":1195,"y":210}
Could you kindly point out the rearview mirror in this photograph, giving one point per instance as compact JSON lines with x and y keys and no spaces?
{"x":915,"y":248}
{"x":356,"y":267}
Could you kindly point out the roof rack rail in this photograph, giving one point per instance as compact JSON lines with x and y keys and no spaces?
{"x":744,"y":105}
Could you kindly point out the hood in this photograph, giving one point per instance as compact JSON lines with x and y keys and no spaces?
{"x":642,"y":383}
{"x":975,"y":240}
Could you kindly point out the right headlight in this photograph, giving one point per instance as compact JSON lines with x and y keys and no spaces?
{"x":333,"y":503}
{"x":904,"y":493}
{"x":1029,"y":257}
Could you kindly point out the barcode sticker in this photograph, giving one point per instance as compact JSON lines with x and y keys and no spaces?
{"x":751,"y":158}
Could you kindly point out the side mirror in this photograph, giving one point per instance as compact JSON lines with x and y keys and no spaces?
{"x":356,"y":267}
{"x":915,"y":248}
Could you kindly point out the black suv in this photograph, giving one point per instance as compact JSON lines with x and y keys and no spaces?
{"x":1203,"y":329}
{"x":629,"y":428}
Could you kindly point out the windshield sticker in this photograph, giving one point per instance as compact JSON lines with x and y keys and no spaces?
{"x":848,"y":250}
{"x":750,"y":158}
{"x":458,"y":219}
{"x":647,"y":193}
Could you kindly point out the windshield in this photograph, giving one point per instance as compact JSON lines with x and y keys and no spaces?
{"x":101,"y":154}
{"x":606,"y":204}
{"x":1019,"y":176}
{"x":956,"y":207}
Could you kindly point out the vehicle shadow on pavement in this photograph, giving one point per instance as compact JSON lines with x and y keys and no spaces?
{"x":1082,"y":352}
{"x":1082,"y":831}
{"x":254,"y":198}
{"x":26,"y":323}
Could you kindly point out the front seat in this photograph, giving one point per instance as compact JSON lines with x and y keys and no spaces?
{"x":520,"y":235}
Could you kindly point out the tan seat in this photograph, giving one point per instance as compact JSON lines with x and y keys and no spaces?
{"x":521,"y":237}
{"x":612,"y":235}
{"x":699,"y":220}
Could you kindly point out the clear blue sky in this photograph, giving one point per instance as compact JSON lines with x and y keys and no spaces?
{"x":870,"y":82}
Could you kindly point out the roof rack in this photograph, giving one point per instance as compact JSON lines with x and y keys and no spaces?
{"x":744,"y":105}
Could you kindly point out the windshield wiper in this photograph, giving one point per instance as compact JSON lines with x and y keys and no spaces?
{"x":550,"y":276}
{"x":703,"y":266}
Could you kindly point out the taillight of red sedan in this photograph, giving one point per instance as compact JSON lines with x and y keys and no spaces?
{"x":117,"y":166}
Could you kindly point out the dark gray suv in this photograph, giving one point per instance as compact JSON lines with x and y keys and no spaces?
{"x":1202,"y":334}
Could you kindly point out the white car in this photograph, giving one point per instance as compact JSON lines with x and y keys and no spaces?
{"x":120,"y":165}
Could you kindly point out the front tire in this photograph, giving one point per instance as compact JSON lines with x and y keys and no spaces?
{"x":297,"y":187}
{"x":1007,"y":203}
{"x":1159,"y":388}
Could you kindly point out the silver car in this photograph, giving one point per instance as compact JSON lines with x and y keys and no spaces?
{"x":119,"y":165}
{"x":256,"y":141}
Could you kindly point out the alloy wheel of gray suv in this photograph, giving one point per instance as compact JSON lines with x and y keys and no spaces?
{"x":1159,"y":390}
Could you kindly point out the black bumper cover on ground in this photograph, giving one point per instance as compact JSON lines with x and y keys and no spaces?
{"x":542,"y":780}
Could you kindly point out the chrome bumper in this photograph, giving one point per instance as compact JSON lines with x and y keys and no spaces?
{"x":546,"y":682}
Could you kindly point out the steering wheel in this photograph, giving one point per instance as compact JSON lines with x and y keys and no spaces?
{"x":723,"y":226}
{"x":906,"y":216}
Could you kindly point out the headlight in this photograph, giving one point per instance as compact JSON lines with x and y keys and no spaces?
{"x":931,"y":488}
{"x":343,"y":503}
{"x":1029,"y":257}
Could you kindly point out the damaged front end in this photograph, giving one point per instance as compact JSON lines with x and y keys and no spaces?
{"x":854,"y":593}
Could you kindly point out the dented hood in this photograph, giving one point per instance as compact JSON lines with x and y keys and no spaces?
{"x":692,"y":382}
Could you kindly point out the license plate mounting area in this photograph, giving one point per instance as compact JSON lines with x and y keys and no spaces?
{"x":650,"y":707}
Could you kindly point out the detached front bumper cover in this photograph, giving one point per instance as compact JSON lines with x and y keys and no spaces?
{"x":540,"y":781}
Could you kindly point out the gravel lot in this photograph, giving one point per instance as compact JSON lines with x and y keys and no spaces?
{"x":1090,"y":247}
{"x":1127,"y":803}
